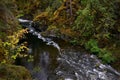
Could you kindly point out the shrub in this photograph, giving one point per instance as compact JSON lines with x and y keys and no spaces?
{"x":93,"y":47}
{"x":10,"y":49}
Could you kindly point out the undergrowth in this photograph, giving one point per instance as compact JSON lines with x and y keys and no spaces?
{"x":105,"y":55}
{"x":10,"y":49}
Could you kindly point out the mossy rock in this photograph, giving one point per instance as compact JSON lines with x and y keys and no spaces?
{"x":12,"y":72}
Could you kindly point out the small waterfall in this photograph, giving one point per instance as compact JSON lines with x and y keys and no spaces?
{"x":43,"y":57}
{"x":72,"y":63}
{"x":28,"y":24}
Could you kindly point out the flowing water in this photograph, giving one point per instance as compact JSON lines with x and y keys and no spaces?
{"x":61,"y":61}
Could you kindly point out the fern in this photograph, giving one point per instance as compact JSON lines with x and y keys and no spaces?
{"x":105,"y":55}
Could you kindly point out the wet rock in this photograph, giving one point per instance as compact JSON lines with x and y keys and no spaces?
{"x":38,"y":27}
{"x":84,"y":67}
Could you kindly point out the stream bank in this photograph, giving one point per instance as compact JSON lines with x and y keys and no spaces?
{"x":55,"y":59}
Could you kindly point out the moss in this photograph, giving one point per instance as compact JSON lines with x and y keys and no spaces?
{"x":8,"y":22}
{"x":116,"y":54}
{"x":43,"y":15}
{"x":28,"y":8}
{"x":68,"y":32}
{"x":12,"y":72}
{"x":61,"y":15}
{"x":66,"y":13}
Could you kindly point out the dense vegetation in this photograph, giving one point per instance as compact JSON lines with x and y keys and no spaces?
{"x":92,"y":24}
{"x":10,"y":34}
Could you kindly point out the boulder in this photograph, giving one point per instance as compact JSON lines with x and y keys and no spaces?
{"x":13,"y":72}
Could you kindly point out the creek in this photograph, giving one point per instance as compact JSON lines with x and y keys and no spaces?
{"x":55,"y":59}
